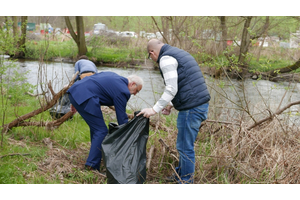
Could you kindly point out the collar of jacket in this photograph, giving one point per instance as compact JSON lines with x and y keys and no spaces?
{"x":162,"y":50}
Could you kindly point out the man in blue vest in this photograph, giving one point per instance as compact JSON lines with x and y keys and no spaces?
{"x":92,"y":92}
{"x":186,"y":91}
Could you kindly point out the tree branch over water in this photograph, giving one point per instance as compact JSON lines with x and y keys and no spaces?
{"x":272,"y":115}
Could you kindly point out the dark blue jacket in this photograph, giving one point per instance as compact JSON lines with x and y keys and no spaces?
{"x":192,"y":89}
{"x":105,"y":88}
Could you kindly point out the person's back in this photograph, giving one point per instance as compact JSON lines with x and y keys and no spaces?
{"x":105,"y":85}
{"x":84,"y":66}
{"x":108,"y":87}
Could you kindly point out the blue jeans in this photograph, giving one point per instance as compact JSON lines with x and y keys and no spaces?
{"x":188,"y":124}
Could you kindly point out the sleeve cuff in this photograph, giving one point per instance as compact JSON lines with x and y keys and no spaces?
{"x":156,"y":109}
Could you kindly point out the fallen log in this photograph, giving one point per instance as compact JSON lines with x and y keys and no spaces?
{"x":20,"y":121}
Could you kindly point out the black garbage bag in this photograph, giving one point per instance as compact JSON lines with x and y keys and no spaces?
{"x":62,"y":107}
{"x":124,"y":151}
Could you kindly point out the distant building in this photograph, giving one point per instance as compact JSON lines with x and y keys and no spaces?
{"x":284,"y":44}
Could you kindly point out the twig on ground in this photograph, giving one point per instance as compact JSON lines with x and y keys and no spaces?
{"x":151,"y":154}
{"x":163,"y":155}
{"x":166,"y":146}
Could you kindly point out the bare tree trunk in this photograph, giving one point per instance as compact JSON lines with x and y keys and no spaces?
{"x":264,"y":37}
{"x":224,"y":32}
{"x":15,"y":34}
{"x":19,"y":41}
{"x":217,"y":72}
{"x":15,"y":27}
{"x":245,"y":42}
{"x":22,"y":47}
{"x":79,"y":38}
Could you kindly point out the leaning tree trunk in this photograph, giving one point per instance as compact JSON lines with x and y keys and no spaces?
{"x":224,"y":32}
{"x":80,"y":37}
{"x":287,"y":69}
{"x":21,"y":120}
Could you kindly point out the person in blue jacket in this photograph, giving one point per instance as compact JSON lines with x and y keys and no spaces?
{"x":102,"y":89}
{"x":85,"y":67}
{"x":186,"y":91}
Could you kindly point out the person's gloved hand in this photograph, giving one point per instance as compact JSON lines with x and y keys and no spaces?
{"x":147,"y":112}
{"x":165,"y":111}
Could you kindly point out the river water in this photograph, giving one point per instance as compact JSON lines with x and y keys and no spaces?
{"x":228,"y":97}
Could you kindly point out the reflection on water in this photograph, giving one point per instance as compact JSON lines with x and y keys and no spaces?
{"x":227,"y":97}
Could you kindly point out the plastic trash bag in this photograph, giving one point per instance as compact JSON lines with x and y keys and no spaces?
{"x":62,"y":107}
{"x":124,"y":151}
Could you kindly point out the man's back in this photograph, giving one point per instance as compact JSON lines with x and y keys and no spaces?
{"x":106,"y":88}
{"x":84,"y":65}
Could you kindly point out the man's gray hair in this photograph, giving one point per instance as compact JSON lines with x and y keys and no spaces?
{"x":134,"y":78}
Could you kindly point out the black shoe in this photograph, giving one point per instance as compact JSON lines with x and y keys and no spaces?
{"x":171,"y":178}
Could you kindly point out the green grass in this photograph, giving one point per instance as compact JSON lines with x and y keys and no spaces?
{"x":109,"y":54}
{"x":53,"y":49}
{"x":14,"y":168}
{"x":97,"y":49}
{"x":264,"y":64}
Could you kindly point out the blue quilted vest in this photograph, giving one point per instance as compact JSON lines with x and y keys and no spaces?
{"x":192,"y":90}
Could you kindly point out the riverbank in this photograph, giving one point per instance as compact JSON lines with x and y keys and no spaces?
{"x":131,"y":53}
{"x":132,"y":63}
{"x":209,"y":71}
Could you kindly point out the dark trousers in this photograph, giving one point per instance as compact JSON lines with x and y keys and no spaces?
{"x":98,"y":131}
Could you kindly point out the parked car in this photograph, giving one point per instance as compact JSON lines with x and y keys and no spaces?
{"x":128,"y":34}
{"x":99,"y":28}
{"x":159,"y":35}
{"x":150,"y":35}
